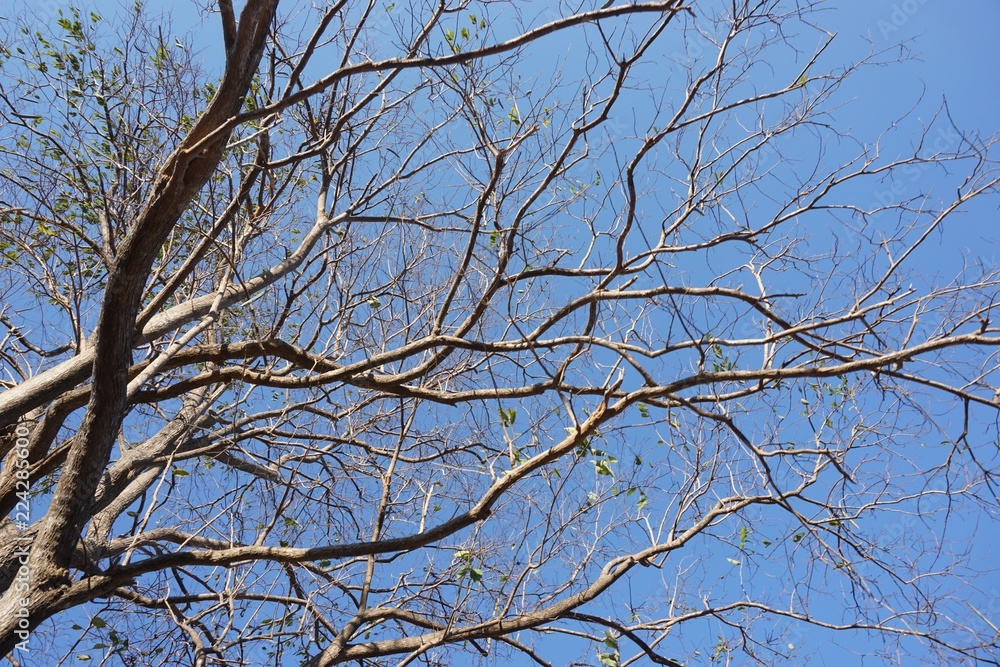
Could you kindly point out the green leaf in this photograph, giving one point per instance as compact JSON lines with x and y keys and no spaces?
{"x":98,"y":622}
{"x":609,"y":659}
{"x":643,"y":500}
{"x":507,"y":416}
{"x":610,"y":640}
{"x":604,"y":467}
{"x":179,"y":472}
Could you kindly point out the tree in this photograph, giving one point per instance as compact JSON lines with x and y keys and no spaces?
{"x":447,"y":331}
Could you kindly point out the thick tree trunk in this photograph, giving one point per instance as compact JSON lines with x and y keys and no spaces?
{"x":182,"y":176}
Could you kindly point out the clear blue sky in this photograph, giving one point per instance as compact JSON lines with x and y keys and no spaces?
{"x":954,"y":55}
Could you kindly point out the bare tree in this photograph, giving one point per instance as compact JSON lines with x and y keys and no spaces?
{"x":457,"y":332}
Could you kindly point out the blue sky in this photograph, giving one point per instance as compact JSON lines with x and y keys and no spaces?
{"x":953,"y":56}
{"x":953,"y":51}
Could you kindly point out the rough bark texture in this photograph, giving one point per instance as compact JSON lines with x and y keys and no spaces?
{"x":182,"y":176}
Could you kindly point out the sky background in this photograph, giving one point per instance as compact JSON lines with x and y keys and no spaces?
{"x":952,"y":49}
{"x":952,"y":57}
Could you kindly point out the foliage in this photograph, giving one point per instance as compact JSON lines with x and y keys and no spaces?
{"x":468,"y":331}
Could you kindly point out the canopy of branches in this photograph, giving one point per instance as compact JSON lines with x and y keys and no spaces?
{"x":484,"y":332}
